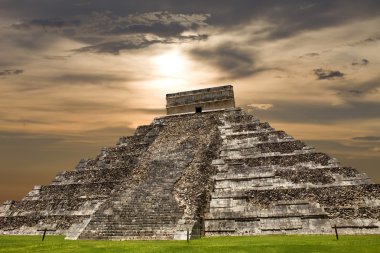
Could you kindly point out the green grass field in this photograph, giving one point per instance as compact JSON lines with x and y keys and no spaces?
{"x":262,"y":244}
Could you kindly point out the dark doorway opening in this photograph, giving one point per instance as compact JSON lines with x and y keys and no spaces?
{"x":198,"y":109}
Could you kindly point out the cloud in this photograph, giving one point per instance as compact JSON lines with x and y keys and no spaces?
{"x":134,"y":43}
{"x":307,"y":6}
{"x":309,"y":55}
{"x":11,"y":72}
{"x":109,"y":33}
{"x":261,"y":106}
{"x":323,"y":74}
{"x":160,"y":24}
{"x":290,"y":16}
{"x":25,"y":121}
{"x":366,"y":41}
{"x":54,"y":23}
{"x":114,"y":47}
{"x":233,"y":61}
{"x":367,"y":138}
{"x":363,"y":62}
{"x":357,"y":92}
{"x":88,"y":79}
{"x":366,"y":88}
{"x":163,"y":24}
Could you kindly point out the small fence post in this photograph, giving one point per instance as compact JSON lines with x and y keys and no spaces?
{"x":336,"y":232}
{"x":43,"y":237}
{"x":45,"y":230}
{"x":200,"y":227}
{"x":187,"y":235}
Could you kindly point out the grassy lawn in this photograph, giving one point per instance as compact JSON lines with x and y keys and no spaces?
{"x":261,"y":244}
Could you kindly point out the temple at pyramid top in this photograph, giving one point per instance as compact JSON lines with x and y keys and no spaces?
{"x":209,"y":99}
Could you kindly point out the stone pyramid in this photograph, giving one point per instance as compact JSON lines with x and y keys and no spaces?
{"x":206,"y":167}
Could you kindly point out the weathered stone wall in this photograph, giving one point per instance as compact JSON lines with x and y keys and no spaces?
{"x":269,"y":183}
{"x":208,"y":99}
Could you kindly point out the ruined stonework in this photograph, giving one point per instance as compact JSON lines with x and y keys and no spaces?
{"x":215,"y":98}
{"x":152,"y":185}
{"x":267,"y":183}
{"x":223,"y":171}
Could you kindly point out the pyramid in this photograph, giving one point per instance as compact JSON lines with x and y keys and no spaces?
{"x":206,"y":167}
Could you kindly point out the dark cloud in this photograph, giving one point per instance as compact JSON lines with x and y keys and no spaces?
{"x":291,"y":16}
{"x":362,"y":92}
{"x":163,"y":24}
{"x":368,"y":40}
{"x":56,"y":23}
{"x":354,"y":90}
{"x":33,"y":41}
{"x":42,"y":139}
{"x":11,"y":72}
{"x":115,"y":47}
{"x":309,"y":55}
{"x":7,"y":63}
{"x":88,"y":79}
{"x":372,"y":39}
{"x":307,"y":6}
{"x":161,"y":18}
{"x":367,"y":138}
{"x":171,"y":29}
{"x":362,"y":62}
{"x":107,"y":32}
{"x":323,"y":74}
{"x":25,"y":121}
{"x":233,"y":61}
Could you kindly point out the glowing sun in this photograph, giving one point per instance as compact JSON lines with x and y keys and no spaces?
{"x":170,"y":63}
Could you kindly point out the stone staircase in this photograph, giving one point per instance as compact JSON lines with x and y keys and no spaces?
{"x":149,"y":206}
{"x":147,"y":211}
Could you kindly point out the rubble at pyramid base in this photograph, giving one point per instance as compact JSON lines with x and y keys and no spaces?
{"x":223,"y":172}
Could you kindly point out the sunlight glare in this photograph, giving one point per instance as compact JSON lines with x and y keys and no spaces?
{"x":170,"y":64}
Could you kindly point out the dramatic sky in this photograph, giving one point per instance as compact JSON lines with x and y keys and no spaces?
{"x":76,"y":75}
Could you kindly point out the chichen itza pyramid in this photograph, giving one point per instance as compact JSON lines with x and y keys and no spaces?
{"x":208,"y":166}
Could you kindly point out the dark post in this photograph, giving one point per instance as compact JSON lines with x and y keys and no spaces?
{"x":200,"y":226}
{"x":43,"y":237}
{"x":45,"y":230}
{"x":336,"y":232}
{"x":187,"y":235}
